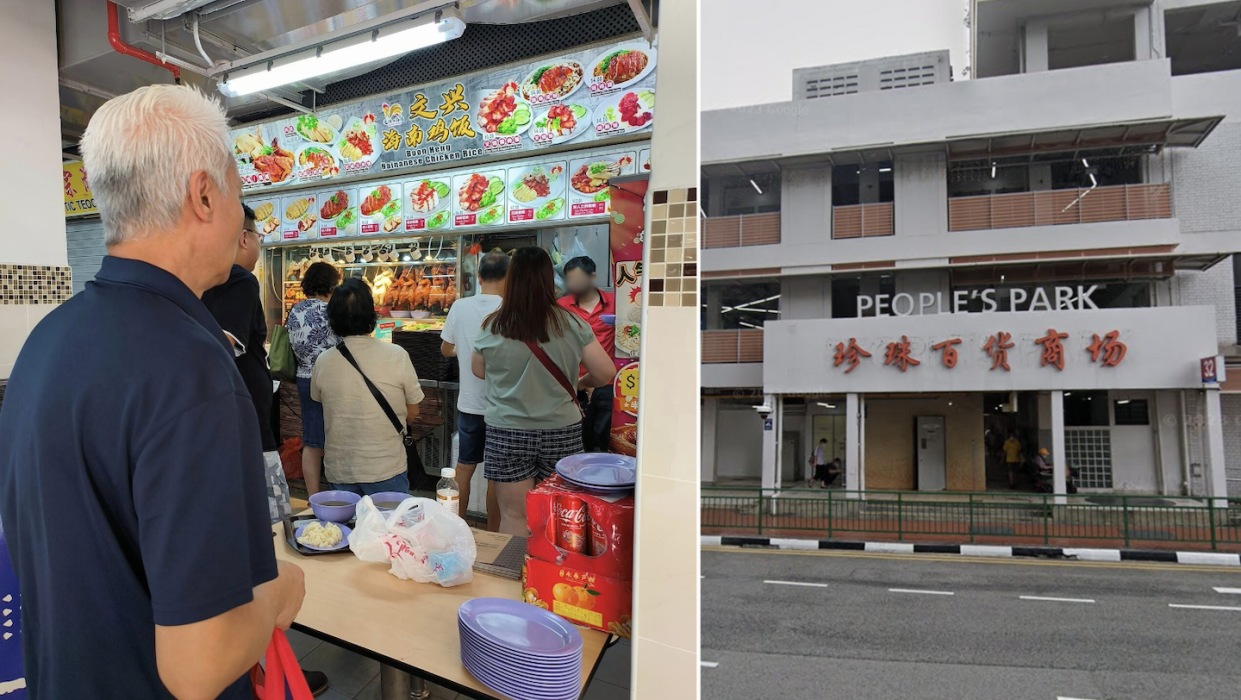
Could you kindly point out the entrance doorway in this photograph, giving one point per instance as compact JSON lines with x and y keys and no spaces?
{"x":1006,"y":415}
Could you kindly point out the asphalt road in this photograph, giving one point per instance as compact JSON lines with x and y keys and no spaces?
{"x":959,"y":628}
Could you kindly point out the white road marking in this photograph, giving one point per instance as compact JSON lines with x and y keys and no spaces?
{"x":1236,"y":591}
{"x":1203,"y":607}
{"x":1057,"y":600}
{"x":914,"y":590}
{"x":1063,"y":697}
{"x":708,"y":664}
{"x":797,"y":583}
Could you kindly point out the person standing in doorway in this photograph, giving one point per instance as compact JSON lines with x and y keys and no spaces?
{"x":1012,"y":458}
{"x":591,"y":304}
{"x":465,"y":320}
{"x":818,"y":464}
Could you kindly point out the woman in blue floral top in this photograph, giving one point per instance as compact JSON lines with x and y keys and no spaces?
{"x":310,"y":336}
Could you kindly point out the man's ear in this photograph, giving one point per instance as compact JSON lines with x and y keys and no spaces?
{"x":202,"y":194}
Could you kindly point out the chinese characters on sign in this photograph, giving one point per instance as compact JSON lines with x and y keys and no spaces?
{"x":1106,"y":350}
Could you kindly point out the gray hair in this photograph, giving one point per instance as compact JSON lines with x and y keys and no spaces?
{"x":139,"y":151}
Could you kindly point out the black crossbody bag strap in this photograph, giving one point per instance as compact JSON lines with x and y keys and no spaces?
{"x":379,"y":397}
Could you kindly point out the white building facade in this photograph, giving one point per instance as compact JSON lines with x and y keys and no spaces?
{"x":914,"y":268}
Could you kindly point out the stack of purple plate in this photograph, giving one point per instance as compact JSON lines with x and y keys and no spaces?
{"x":599,"y":471}
{"x":525,"y":652}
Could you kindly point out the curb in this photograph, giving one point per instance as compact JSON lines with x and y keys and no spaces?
{"x":977,"y":550}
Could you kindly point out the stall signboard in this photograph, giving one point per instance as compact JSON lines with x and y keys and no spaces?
{"x":379,"y":209}
{"x":338,"y":213}
{"x":428,"y":204}
{"x":589,"y":193}
{"x":644,"y":161}
{"x":626,"y":243}
{"x":299,"y":217}
{"x":78,"y":198}
{"x":628,"y":227}
{"x":267,"y":214}
{"x":537,"y":192}
{"x":480,"y":198}
{"x":582,"y":97}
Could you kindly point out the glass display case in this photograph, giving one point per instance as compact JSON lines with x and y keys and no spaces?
{"x":416,"y":279}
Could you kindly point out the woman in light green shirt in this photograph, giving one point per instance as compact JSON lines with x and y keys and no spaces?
{"x":533,"y":417}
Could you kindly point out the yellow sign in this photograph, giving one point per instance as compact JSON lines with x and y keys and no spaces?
{"x":78,"y":197}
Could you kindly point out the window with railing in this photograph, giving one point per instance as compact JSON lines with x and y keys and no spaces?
{"x":733,"y":315}
{"x":862,"y":200}
{"x":1051,"y":189}
{"x":741,"y":210}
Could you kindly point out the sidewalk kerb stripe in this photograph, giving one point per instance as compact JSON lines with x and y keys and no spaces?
{"x":1057,"y":600}
{"x":1228,"y":591}
{"x":985,"y":550}
{"x":1209,"y":558}
{"x":1203,"y":607}
{"x":788,"y":543}
{"x":1093,"y":554}
{"x":890,"y":547}
{"x":709,"y":540}
{"x":708,"y":664}
{"x":915,"y":590}
{"x":797,"y":583}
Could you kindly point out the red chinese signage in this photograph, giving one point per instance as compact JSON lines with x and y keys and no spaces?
{"x":1106,"y":350}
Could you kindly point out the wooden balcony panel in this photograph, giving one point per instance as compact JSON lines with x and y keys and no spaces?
{"x":722,"y":232}
{"x":1102,"y":204}
{"x":750,"y":345}
{"x":1150,"y":202}
{"x":760,"y":229}
{"x":969,"y":213}
{"x":719,"y":347}
{"x":1012,"y":210}
{"x":1052,"y":207}
{"x":847,"y":222}
{"x":877,"y":220}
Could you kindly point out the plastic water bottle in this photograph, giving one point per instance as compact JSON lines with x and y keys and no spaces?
{"x":447,"y":492}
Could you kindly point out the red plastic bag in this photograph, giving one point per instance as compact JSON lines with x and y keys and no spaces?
{"x":291,"y":458}
{"x":281,"y":667}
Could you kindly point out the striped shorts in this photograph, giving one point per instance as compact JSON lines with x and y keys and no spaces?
{"x":516,"y":455}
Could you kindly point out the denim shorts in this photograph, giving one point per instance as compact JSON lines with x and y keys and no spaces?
{"x":312,"y":415}
{"x":400,"y":482}
{"x":472,"y":438}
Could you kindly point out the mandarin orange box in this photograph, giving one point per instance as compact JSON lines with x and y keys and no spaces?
{"x":584,"y":598}
{"x":602,"y":543}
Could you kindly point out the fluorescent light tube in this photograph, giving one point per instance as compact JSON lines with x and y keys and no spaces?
{"x":345,"y":54}
{"x":756,"y":188}
{"x":993,"y":171}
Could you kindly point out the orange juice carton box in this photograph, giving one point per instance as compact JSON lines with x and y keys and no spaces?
{"x":583,"y":598}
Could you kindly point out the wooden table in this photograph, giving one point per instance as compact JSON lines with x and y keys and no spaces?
{"x":406,"y":625}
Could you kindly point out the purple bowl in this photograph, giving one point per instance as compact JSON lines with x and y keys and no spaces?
{"x":336,"y":514}
{"x":609,"y":319}
{"x":387,"y":497}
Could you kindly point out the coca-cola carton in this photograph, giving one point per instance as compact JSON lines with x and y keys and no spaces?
{"x":582,"y":529}
{"x":586,"y":598}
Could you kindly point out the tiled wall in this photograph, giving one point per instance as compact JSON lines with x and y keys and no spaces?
{"x":34,"y":284}
{"x":672,"y":277}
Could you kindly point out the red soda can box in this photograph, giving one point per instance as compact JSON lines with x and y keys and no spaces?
{"x":605,"y":543}
{"x":571,"y":523}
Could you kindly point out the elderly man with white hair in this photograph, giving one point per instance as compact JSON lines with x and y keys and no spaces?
{"x":132,"y":483}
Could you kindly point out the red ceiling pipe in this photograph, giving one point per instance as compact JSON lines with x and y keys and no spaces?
{"x":114,"y":38}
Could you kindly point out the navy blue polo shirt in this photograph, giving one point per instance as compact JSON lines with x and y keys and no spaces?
{"x":132,"y":487}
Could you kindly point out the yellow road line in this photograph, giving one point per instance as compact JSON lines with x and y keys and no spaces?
{"x":956,"y":558}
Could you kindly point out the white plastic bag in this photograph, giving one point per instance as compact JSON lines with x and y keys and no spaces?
{"x":424,"y":541}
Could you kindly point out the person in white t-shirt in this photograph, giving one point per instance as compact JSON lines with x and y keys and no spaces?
{"x":465,"y":319}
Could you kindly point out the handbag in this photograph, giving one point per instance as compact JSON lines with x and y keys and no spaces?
{"x":280,"y":356}
{"x":541,"y":355}
{"x":281,"y":667}
{"x":417,"y":473}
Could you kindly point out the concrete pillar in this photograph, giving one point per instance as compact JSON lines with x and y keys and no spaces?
{"x":853,"y":444}
{"x":1217,"y":482}
{"x":1059,"y":463}
{"x":1035,"y":47}
{"x":1142,"y":36}
{"x":710,"y":413}
{"x":771,"y":445}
